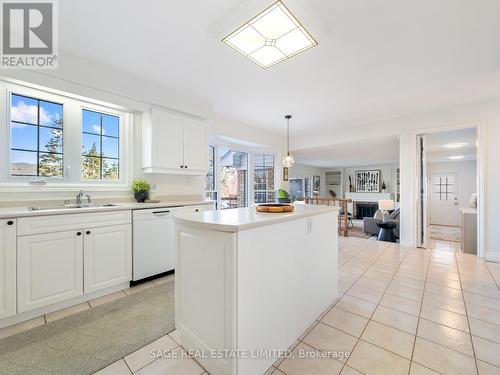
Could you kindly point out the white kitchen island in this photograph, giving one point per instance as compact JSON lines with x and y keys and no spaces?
{"x":249,"y":284}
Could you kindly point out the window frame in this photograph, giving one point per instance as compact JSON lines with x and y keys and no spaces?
{"x":266,"y":191}
{"x":73,"y":106}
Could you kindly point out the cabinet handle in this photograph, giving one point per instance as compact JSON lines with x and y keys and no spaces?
{"x":10,"y":222}
{"x":87,"y":232}
{"x":185,"y":166}
{"x":197,"y":210}
{"x":78,"y":233}
{"x":182,"y":166}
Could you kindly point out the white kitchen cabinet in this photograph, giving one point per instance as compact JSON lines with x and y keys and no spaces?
{"x":7,"y":268}
{"x":49,"y":269}
{"x":174,"y":144}
{"x":108,"y":257}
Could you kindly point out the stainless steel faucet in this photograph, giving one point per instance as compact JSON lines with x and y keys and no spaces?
{"x":79,"y":197}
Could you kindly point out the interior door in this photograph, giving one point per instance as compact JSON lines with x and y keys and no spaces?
{"x":444,"y":207}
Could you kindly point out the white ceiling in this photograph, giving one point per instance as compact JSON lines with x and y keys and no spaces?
{"x":368,"y":152}
{"x":375,"y":59}
{"x":437,"y":153}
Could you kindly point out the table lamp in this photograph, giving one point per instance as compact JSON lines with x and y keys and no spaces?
{"x":385,"y":205}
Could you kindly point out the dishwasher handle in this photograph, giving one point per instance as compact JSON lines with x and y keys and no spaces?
{"x":161,"y":213}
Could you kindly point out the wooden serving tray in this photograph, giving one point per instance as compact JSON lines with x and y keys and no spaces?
{"x":275,"y":207}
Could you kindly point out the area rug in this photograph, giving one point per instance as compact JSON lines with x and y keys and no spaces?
{"x":93,"y":339}
{"x":444,"y":233}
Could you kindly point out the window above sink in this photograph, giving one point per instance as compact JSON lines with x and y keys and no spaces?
{"x":58,"y":141}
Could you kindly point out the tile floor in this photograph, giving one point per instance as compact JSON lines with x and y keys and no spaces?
{"x":400,"y":311}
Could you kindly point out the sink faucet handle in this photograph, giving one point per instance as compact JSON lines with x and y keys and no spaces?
{"x":89,"y":199}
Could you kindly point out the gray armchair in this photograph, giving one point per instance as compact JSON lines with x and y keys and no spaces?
{"x":370,"y":224}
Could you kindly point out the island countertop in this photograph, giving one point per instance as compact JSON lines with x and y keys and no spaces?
{"x":239,"y":219}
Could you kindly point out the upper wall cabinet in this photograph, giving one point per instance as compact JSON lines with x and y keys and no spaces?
{"x":174,"y":144}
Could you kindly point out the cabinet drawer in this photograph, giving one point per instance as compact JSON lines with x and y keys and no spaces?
{"x":59,"y":223}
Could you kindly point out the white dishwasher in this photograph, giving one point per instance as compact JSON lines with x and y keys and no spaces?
{"x":154,"y":242}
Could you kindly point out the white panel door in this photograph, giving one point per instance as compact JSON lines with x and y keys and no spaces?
{"x":7,"y":268}
{"x":168,"y":137}
{"x":443,"y":196}
{"x":108,"y":257}
{"x":195,"y":145}
{"x":49,"y":269}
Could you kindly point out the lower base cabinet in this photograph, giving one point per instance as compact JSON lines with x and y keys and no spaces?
{"x":56,"y":267}
{"x":49,"y":269}
{"x":108,"y":257}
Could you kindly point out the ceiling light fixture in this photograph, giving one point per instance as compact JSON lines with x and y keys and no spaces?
{"x":456,"y":157}
{"x":288,"y":159}
{"x":455,"y":145}
{"x":272,"y":36}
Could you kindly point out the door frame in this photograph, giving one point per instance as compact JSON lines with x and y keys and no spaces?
{"x":480,"y":173}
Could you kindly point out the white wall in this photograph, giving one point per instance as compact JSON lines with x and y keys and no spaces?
{"x":466,"y":176}
{"x":485,"y":113}
{"x":83,"y":77}
{"x":302,"y":171}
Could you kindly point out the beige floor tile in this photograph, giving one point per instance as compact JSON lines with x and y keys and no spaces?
{"x":416,"y":369}
{"x":487,"y":369}
{"x":372,"y":360}
{"x":483,"y":313}
{"x":485,"y":330}
{"x":67,"y":312}
{"x":447,"y":303}
{"x":397,"y":319}
{"x":367,"y":294}
{"x":410,"y":283}
{"x":107,"y":298}
{"x":176,"y":336}
{"x":445,"y":317}
{"x":345,"y":321}
{"x":405,"y":292}
{"x":277,"y":372}
{"x":401,"y":304}
{"x":369,"y":282}
{"x":487,"y":351}
{"x":306,"y":332}
{"x":307,"y":360}
{"x":117,"y":368}
{"x":164,"y":279}
{"x":149,"y":353}
{"x":350,"y":371}
{"x":326,"y":338}
{"x":480,"y":300}
{"x":139,"y":288}
{"x":446,"y":336}
{"x":389,"y":338}
{"x":442,"y":359}
{"x":356,"y":306}
{"x":172,"y":366}
{"x":21,"y":327}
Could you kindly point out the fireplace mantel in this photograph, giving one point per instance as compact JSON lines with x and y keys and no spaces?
{"x":368,"y":197}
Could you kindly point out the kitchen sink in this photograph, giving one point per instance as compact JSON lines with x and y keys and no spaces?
{"x":71,"y":207}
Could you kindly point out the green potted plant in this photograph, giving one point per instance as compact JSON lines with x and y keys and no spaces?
{"x":141,"y":190}
{"x":283,"y":196}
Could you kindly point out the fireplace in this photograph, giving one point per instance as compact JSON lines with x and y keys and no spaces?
{"x":364,"y":209}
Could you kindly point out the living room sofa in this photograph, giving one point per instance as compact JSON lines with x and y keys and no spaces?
{"x":370,"y":223}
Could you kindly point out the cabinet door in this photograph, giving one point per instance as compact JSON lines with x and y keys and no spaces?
{"x":195,"y":145}
{"x":7,"y":268}
{"x":108,"y":257}
{"x":167,"y":142}
{"x":49,"y":269}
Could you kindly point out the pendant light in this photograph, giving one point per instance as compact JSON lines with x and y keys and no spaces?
{"x":288,"y":159}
